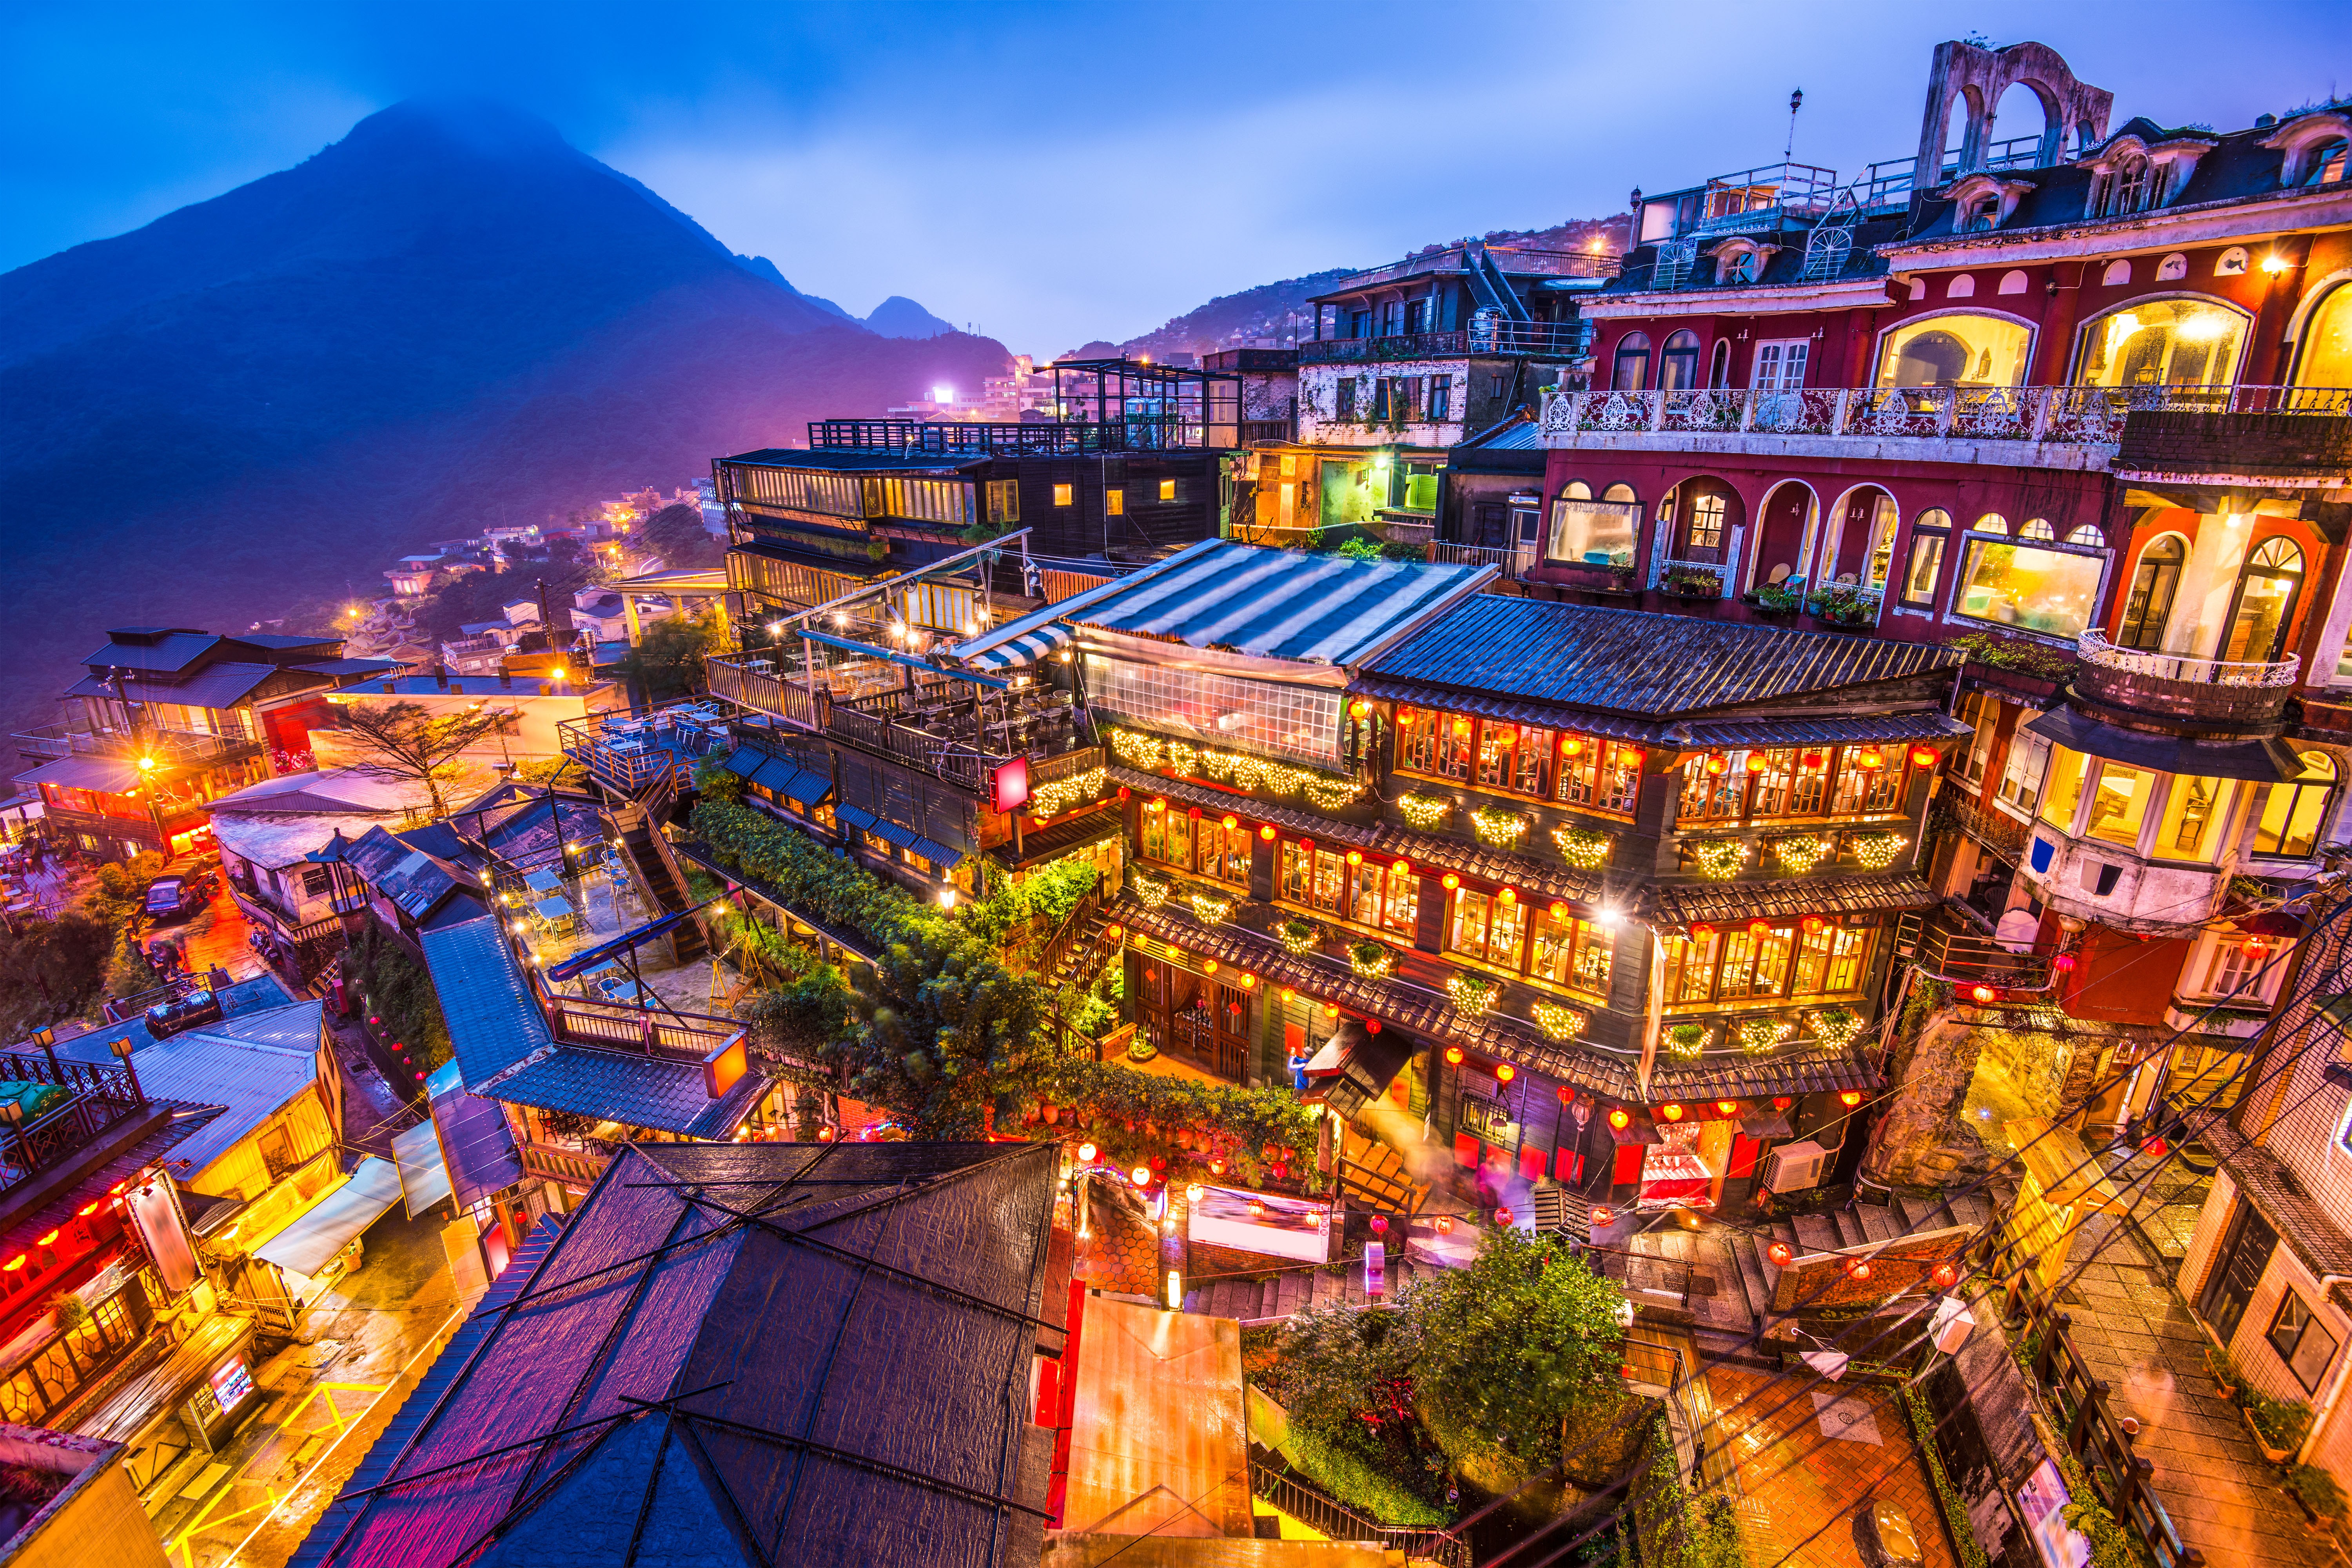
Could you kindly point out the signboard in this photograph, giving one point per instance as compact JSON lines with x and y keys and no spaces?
{"x":232,"y":1384}
{"x":1262,"y":1222}
{"x":1376,"y":1270}
{"x":1012,"y":785}
{"x":2042,"y":1501}
{"x":164,"y":1232}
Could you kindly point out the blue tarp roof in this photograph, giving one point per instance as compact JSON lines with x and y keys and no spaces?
{"x":494,"y":1020}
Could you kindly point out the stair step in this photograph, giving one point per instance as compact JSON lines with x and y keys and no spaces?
{"x":1752,"y":1281}
{"x":1917,"y":1212}
{"x":1766,"y":1269}
{"x":1970,"y":1208}
{"x":1815,"y":1233}
{"x":1878,"y":1224}
{"x":1326,"y":1289}
{"x":1291,"y":1294}
{"x":1849,"y":1229}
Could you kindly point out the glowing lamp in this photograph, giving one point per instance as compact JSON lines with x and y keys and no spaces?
{"x":1307,"y":846}
{"x":1670,"y":1112}
{"x":1379,"y":1224}
{"x":1360,"y":709}
{"x":1781,"y":1102}
{"x":1355,"y":856}
{"x":1216,"y":1167}
{"x":1087,"y":1153}
{"x":1945,"y":1275}
{"x":1925,"y":756}
{"x":1193,"y":812}
{"x":1759,"y":926}
{"x":1850,"y":1098}
{"x":1571,"y":747}
{"x":1208,"y":966}
{"x":88,"y":1209}
{"x":1257,"y":1209}
{"x":1558,"y":910}
{"x":1266,"y":833}
{"x":1871,"y":760}
{"x":1506,"y":897}
{"x":1816,"y":761}
{"x":1123,"y":791}
{"x":2155,"y":1148}
{"x":1602,"y":1214}
{"x":1700,"y":930}
{"x":1114,"y":932}
{"x":1249,"y":982}
{"x":1231,"y":823}
{"x":1371,"y":1025}
{"x":1140,"y":1175}
{"x":1450,"y":881}
{"x":1566,"y":1094}
{"x":1501,"y":1216}
{"x":1781,"y":1254}
{"x":48,"y":1240}
{"x":1718,"y":764}
{"x":1983,"y":993}
{"x":14,"y":1263}
{"x":1727,"y":1108}
{"x":1755,"y":761}
{"x":1857,"y":1268}
{"x":1462,"y":726}
{"x":1445,"y":1225}
{"x":1454,"y":1056}
{"x":1157,"y":804}
{"x":1814,"y":923}
{"x":1620,"y":1118}
{"x":1505,"y":1072}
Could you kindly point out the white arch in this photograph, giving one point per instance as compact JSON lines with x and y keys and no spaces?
{"x":1833,"y":529}
{"x":1808,"y":536}
{"x":2245,"y":337}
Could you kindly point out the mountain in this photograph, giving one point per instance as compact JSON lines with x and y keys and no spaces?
{"x":761,"y":267}
{"x":1279,"y":310}
{"x":900,"y":317}
{"x":447,"y":319}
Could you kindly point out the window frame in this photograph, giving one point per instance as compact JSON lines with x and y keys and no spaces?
{"x":1634,"y":346}
{"x":1788,"y":363}
{"x":2297,"y":1336}
{"x":1880,"y":381}
{"x":2294,"y":789}
{"x":1936,"y":539}
{"x":2127,"y":616}
{"x":1972,"y":540}
{"x":2079,"y":354}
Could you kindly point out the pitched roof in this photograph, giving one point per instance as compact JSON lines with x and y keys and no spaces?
{"x":252,"y":1067}
{"x":416,"y":882}
{"x":740,"y":1385}
{"x":1640,"y":662}
{"x":168,"y":648}
{"x":662,"y":1093}
{"x":216,"y":686}
{"x":494,"y":1021}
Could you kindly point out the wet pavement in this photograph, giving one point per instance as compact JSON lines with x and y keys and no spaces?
{"x":363,"y":1346}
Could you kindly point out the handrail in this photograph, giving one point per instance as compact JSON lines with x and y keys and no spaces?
{"x":2094,"y":648}
{"x":1329,"y":1517}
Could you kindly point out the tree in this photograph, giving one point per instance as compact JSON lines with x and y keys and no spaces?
{"x":676,"y":534}
{"x":50,"y":969}
{"x":410,"y":741}
{"x":668,"y":660}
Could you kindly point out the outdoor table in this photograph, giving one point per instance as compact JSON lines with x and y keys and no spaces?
{"x":552,"y":909}
{"x":543,"y":881}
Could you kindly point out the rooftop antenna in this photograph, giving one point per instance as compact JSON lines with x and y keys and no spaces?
{"x":1796,"y":101}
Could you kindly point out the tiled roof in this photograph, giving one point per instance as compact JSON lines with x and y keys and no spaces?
{"x":1929,"y":724}
{"x":1550,"y":878}
{"x":217,"y":686}
{"x":657,"y":1092}
{"x":1631,"y":662}
{"x":169,"y":1125}
{"x":1751,"y":1078}
{"x":174,"y":648}
{"x":2302,"y":1226}
{"x":1061,"y":839}
{"x":1680,"y":904}
{"x":494,"y":1021}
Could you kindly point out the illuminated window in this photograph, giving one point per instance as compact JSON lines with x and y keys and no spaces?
{"x":1595,"y":533}
{"x":2063,"y":791}
{"x":1497,"y":746}
{"x":2295,"y":815}
{"x":1168,"y":489}
{"x":1955,"y":351}
{"x":1114,"y":503}
{"x":1606,"y":780}
{"x":1484,"y":927}
{"x":1713,"y":797}
{"x":1929,"y":534}
{"x":1755,"y":965}
{"x":1004,"y":500}
{"x":1435,"y":744}
{"x":1572,"y":952}
{"x":2268,"y":587}
{"x":1830,"y":962}
{"x":2300,"y":1341}
{"x":1061,"y":495}
{"x":2196,"y":811}
{"x":1632,"y":363}
{"x":2119,"y":804}
{"x":2326,"y":343}
{"x":2161,"y":343}
{"x":2032,"y":588}
{"x":2148,"y":604}
{"x":1690,"y":968}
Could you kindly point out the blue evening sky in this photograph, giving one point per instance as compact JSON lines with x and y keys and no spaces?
{"x":1051,"y":172}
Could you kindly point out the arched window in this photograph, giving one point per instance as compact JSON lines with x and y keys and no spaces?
{"x":2128,"y":187}
{"x":2038,"y":528}
{"x":2327,"y":356}
{"x":1632,"y":363}
{"x":2328,"y":165}
{"x":2296,"y":813}
{"x":1576,"y":490}
{"x":2034,"y":584}
{"x":1992,"y":522}
{"x":2148,"y":604}
{"x":2162,"y":342}
{"x":1955,"y":351}
{"x":2089,"y":536}
{"x":1620,"y":493}
{"x":2267,"y":588}
{"x":1930,"y":531}
{"x":1678,"y":363}
{"x":1719,"y":371}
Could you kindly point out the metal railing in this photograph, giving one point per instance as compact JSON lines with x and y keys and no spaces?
{"x":1269,"y":430}
{"x":175,"y":747}
{"x":2075,"y":415}
{"x":1737,"y":199}
{"x":1395,"y":346}
{"x":1515,"y":563}
{"x":689,"y":1037}
{"x":750,"y":681}
{"x":1136,"y":432}
{"x":98,"y":1100}
{"x":2096,"y":649}
{"x":1328,"y":1517}
{"x":1509,"y":258}
{"x":1967,"y":958}
{"x":2078,"y":1401}
{"x":577,"y":1167}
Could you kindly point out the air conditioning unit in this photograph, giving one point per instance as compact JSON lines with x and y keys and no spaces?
{"x":1793,"y":1167}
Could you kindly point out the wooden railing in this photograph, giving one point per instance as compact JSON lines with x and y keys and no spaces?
{"x":691,"y":1036}
{"x":2078,"y":1401}
{"x":1333,"y":1519}
{"x":750,"y":681}
{"x":573,"y":1166}
{"x":99,"y":1098}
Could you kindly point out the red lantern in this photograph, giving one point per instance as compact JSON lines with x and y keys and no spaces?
{"x":1570,"y":746}
{"x":1266,"y":833}
{"x":1850,"y":1098}
{"x":1216,"y":1167}
{"x":1670,"y":1112}
{"x":1123,"y":791}
{"x":1371,"y":1025}
{"x":1759,"y":927}
{"x":1501,"y":1216}
{"x":1231,"y":823}
{"x":1945,"y":1276}
{"x":1871,"y":760}
{"x":1566,"y":1094}
{"x":2063,"y":963}
{"x":1602,"y":1214}
{"x":1454,"y":1056}
{"x":1756,"y":762}
{"x":1402,"y":868}
{"x":1781,"y":1102}
{"x":1700,"y":930}
{"x":1157,"y":1162}
{"x":1727,"y":1108}
{"x":1781,"y":1254}
{"x":1816,"y":761}
{"x":1445,"y":1224}
{"x":1282,"y":1173}
{"x":1450,"y":881}
{"x":1355,"y":856}
{"x":1857,"y":1268}
{"x":1505,"y":1072}
{"x":1140,"y":1175}
{"x":1620,"y":1118}
{"x":1717,"y":764}
{"x":1379,"y":1224}
{"x":1814,"y":923}
{"x":1981,"y":993}
{"x":1924,"y":756}
{"x":1193,"y":812}
{"x":2155,"y":1148}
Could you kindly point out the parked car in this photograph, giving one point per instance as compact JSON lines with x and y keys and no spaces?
{"x":174,"y":898}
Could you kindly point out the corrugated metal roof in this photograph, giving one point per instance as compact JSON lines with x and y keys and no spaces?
{"x":108,"y":775}
{"x":251,"y":1080}
{"x":815,"y":1429}
{"x":177,"y":648}
{"x":416,"y":882}
{"x":217,"y":685}
{"x":854,"y":459}
{"x":635,"y":1090}
{"x":1632,"y":662}
{"x":476,"y":1144}
{"x":494,"y":1021}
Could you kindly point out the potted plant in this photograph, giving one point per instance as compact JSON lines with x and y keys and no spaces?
{"x":2278,"y":1426}
{"x":2316,"y":1494}
{"x":1847,"y":611}
{"x":2225,"y":1375}
{"x":1370,"y":959}
{"x":1297,"y":936}
{"x":1774,"y":600}
{"x":1693,"y":582}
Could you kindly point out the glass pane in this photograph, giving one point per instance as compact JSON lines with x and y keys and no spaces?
{"x":2064,"y":790}
{"x":2119,"y":804}
{"x":1955,"y":351}
{"x":1596,"y":534}
{"x":2162,"y":342}
{"x":2291,"y":820}
{"x":2193,"y":815}
{"x":1927,"y":560}
{"x":2044,"y":591}
{"x":2263,"y":604}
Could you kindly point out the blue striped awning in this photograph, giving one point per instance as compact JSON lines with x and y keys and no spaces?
{"x":1024,"y":642}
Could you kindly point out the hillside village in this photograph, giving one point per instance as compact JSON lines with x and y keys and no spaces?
{"x":1665,"y":891}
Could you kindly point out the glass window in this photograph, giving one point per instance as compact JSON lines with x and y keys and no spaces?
{"x":1690,"y":967}
{"x":2195,"y":813}
{"x":2267,"y":587}
{"x":1487,"y":927}
{"x":2038,"y":528}
{"x":2234,"y":966}
{"x":1774,"y":793}
{"x":2301,"y":1342}
{"x":2064,"y":792}
{"x":1224,"y":851}
{"x":2020,"y":775}
{"x":2154,"y":581}
{"x":1402,"y":909}
{"x":1168,"y":489}
{"x":1596,"y":534}
{"x":2327,"y":356}
{"x":1061,"y":495}
{"x":1533,"y":773}
{"x":1632,"y":363}
{"x":1179,"y":838}
{"x":1883,"y":516}
{"x":1713,"y":786}
{"x":2295,"y":813}
{"x":1497,"y":750}
{"x":1929,"y":534}
{"x":1330,"y":880}
{"x":1830,"y":962}
{"x":1755,"y":963}
{"x":2328,"y":165}
{"x":2119,"y":804}
{"x":2088,"y":536}
{"x":1702,"y":531}
{"x":1572,"y":952}
{"x":1005,"y":500}
{"x":2048,"y":591}
{"x":1955,"y":351}
{"x":1866,"y":786}
{"x":1297,"y":868}
{"x":1435,"y":744}
{"x":1678,"y":363}
{"x":2161,"y":343}
{"x":1600,"y":779}
{"x":1576,"y":490}
{"x":1621,"y":494}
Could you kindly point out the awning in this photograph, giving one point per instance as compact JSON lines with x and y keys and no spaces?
{"x":806,"y":787}
{"x":311,"y":1242}
{"x":424,"y":1174}
{"x":1356,"y":1067}
{"x":774,"y":774}
{"x":476,"y":1143}
{"x":1026,"y":647}
{"x":2256,"y":761}
{"x":107,"y":775}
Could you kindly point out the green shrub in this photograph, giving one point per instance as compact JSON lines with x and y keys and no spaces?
{"x":394,"y":987}
{"x":2282,"y":1422}
{"x":1358,"y":1484}
{"x":2317,"y":1490}
{"x":51,"y":969}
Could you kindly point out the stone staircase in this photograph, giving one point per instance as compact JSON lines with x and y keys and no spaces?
{"x":1272,"y":1297}
{"x":1832,"y":1230}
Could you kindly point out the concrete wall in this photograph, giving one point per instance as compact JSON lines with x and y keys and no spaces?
{"x":95,"y":1522}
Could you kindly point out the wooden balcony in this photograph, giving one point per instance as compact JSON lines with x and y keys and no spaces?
{"x":572,"y":1167}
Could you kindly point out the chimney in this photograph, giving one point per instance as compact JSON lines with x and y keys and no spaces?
{"x":441,"y":675}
